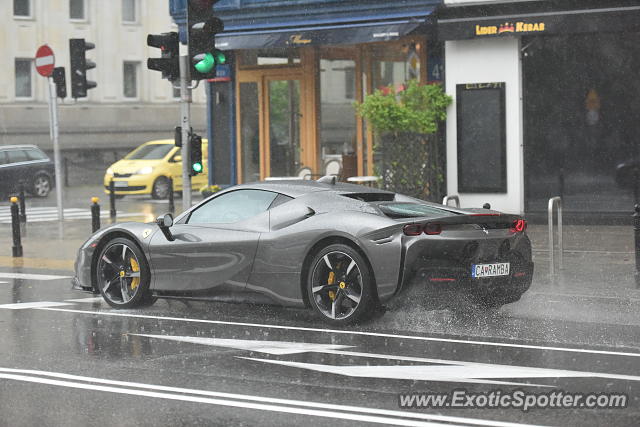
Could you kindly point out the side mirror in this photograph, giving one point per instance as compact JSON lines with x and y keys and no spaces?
{"x":164,"y":222}
{"x":177,"y":159}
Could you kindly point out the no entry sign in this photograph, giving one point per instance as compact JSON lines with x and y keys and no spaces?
{"x":45,"y":61}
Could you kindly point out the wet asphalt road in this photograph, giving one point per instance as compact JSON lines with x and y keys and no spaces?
{"x":81,"y":363}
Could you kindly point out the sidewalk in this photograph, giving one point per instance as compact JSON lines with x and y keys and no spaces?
{"x":599,"y":261}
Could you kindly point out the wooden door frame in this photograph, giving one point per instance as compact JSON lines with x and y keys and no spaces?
{"x":262,"y":77}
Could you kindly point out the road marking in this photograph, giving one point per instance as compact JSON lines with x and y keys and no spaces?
{"x":437,"y":370}
{"x":342,"y":332}
{"x":90,"y":299}
{"x":269,"y":347}
{"x":329,"y":410}
{"x":43,"y":263}
{"x":38,"y":304}
{"x":31,"y":276}
{"x":42,"y":214}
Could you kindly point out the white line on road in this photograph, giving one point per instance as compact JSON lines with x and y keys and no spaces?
{"x":90,"y":299}
{"x":363,"y":333}
{"x":39,"y":304}
{"x":328,"y":410}
{"x":31,"y":276}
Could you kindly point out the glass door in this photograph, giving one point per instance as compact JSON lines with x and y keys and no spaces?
{"x":283,"y":127}
{"x":271,"y":129}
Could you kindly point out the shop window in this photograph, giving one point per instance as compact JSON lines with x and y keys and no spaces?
{"x":77,"y":10}
{"x":22,"y":8}
{"x":250,"y":131}
{"x":130,"y":79}
{"x":338,"y":116}
{"x":266,"y":57}
{"x":24,"y":78}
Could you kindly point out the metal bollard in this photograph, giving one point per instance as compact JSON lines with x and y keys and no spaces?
{"x":636,"y":229}
{"x":95,"y":214}
{"x":112,"y":200}
{"x":23,"y":211}
{"x":172,"y":207}
{"x":15,"y":228}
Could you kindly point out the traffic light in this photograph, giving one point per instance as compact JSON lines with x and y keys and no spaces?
{"x":202,"y":28}
{"x":59,"y":78}
{"x":168,"y":62}
{"x":195,"y":155}
{"x":79,"y":65}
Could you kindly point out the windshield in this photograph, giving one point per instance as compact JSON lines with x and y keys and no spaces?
{"x":412,"y":210}
{"x":150,"y":152}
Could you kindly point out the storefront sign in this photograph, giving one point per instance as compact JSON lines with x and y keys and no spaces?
{"x":510,"y":28}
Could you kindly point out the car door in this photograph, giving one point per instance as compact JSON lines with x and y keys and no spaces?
{"x":4,"y":172}
{"x":18,"y":167}
{"x":214,"y":249}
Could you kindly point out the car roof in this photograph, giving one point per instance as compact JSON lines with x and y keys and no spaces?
{"x":300,"y":187}
{"x":22,"y":146}
{"x":166,"y":141}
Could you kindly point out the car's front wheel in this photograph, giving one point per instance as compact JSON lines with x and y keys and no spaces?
{"x":41,"y":185}
{"x":123,"y":275}
{"x":340,"y":285}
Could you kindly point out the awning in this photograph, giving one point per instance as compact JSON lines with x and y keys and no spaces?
{"x":361,"y":32}
{"x":604,"y":19}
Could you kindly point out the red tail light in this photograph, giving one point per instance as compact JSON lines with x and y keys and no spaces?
{"x":412,"y":229}
{"x":432,"y":229}
{"x":518,"y":226}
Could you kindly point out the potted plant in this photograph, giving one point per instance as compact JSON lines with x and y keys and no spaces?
{"x":209,"y":190}
{"x":406,"y":124}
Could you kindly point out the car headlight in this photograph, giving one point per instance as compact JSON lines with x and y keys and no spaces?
{"x":109,"y":171}
{"x":145,"y":170}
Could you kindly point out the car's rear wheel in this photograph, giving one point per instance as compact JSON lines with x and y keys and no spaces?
{"x":160,"y":189}
{"x":41,"y":185}
{"x":340,"y":285}
{"x":123,"y":275}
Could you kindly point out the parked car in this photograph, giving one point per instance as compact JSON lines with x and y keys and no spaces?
{"x":147,"y":169}
{"x":27,"y":165}
{"x":340,"y":249}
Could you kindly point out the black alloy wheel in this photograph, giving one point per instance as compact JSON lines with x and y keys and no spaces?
{"x":123,"y":275}
{"x":339,"y":285}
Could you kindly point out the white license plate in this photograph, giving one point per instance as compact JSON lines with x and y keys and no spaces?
{"x":118,"y":184}
{"x":490,"y":270}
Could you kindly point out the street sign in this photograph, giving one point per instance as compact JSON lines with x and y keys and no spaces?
{"x":45,"y":60}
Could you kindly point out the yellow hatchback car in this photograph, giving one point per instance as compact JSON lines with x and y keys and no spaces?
{"x":147,"y":169}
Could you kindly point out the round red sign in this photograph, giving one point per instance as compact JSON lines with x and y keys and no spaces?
{"x":45,"y":60}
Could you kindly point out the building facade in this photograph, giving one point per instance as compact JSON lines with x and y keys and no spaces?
{"x":297,"y":70}
{"x":546,"y":104}
{"x":130,"y":104}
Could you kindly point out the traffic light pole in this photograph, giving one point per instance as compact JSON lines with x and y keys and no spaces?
{"x":53,"y":123}
{"x":185,"y":100}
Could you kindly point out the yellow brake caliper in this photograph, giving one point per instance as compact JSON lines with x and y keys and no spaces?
{"x":330,"y":280}
{"x":135,"y":267}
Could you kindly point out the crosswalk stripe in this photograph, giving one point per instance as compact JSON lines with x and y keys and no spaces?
{"x":51,"y":214}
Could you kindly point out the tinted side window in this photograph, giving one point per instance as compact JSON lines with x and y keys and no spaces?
{"x":16,"y":156}
{"x":280,"y":200}
{"x":233,"y":207}
{"x":3,"y":158}
{"x":34,"y":154}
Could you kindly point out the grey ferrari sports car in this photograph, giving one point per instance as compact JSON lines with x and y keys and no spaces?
{"x":341,"y":249}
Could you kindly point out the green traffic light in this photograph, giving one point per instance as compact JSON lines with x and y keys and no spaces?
{"x":197,"y":167}
{"x":220,"y":57}
{"x":206,"y":64}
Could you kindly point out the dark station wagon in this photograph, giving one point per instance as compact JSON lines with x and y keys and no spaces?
{"x":27,"y":165}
